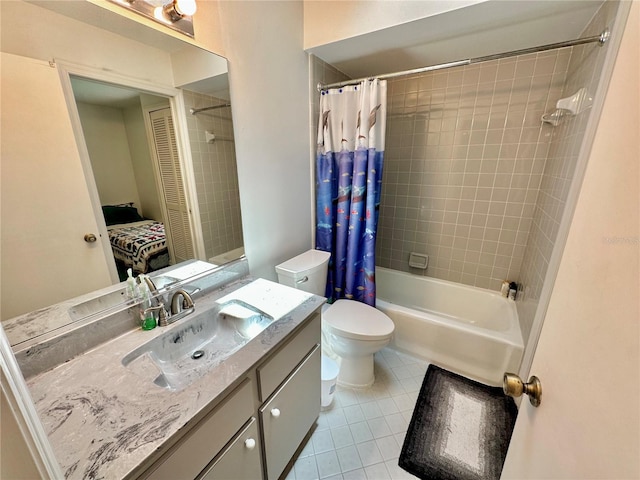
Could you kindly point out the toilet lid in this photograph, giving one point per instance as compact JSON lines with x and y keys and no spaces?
{"x":357,"y":320}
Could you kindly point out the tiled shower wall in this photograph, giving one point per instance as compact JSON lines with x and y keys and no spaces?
{"x":464,"y":158}
{"x":214,"y":166}
{"x":472,"y":177}
{"x":584,"y":70}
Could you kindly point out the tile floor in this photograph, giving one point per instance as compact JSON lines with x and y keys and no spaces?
{"x":360,"y":435}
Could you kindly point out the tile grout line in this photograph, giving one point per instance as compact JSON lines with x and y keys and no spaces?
{"x":359,"y":437}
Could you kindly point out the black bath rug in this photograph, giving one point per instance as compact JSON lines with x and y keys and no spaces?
{"x":460,"y":429}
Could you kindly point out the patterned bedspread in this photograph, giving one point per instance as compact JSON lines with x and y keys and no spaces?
{"x":139,"y":244}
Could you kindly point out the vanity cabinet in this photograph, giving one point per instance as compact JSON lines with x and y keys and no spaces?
{"x":194,"y":452}
{"x":255,"y":430}
{"x":279,"y":366}
{"x":289,"y":414}
{"x":240,"y":459}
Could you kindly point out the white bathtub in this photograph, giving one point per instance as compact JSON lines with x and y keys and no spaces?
{"x":468,"y":330}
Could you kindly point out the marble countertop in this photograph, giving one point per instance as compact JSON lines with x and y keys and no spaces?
{"x":104,"y":420}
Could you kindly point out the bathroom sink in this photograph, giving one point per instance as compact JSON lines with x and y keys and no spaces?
{"x":196,"y":344}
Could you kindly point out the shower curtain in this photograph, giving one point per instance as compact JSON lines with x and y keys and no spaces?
{"x":351,"y":133}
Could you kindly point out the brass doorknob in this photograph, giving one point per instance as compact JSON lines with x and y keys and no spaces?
{"x":90,"y":238}
{"x":513,"y":386}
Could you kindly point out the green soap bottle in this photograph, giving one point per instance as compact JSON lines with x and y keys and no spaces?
{"x":149,"y":323}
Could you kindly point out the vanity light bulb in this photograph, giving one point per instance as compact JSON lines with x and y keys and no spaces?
{"x":158,"y":14}
{"x":185,"y":7}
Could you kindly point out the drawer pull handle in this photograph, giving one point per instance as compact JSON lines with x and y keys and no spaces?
{"x":275,"y":412}
{"x":250,"y":443}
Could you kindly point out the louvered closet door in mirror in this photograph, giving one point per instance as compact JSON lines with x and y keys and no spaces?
{"x":177,"y":223}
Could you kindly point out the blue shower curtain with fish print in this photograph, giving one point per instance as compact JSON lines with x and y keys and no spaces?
{"x":351,"y":132}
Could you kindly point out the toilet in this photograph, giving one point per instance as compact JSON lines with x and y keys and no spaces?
{"x":353,"y":330}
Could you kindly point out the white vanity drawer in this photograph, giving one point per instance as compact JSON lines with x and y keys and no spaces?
{"x":240,"y":460}
{"x":273,"y":372}
{"x":290,"y":413}
{"x":194,"y":452}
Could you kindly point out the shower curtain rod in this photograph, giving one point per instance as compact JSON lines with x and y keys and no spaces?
{"x":198,"y":110}
{"x":601,"y":39}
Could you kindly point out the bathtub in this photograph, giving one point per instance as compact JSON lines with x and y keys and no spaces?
{"x":468,"y":330}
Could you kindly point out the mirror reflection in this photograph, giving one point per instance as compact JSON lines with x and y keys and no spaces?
{"x":117,"y":147}
{"x":131,"y":143}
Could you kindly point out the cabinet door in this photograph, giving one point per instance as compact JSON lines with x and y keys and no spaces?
{"x":192,"y":454}
{"x":289,"y":414}
{"x":240,"y":460}
{"x":273,"y":372}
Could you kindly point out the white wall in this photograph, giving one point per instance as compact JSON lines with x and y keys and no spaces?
{"x":149,"y":206}
{"x":108,"y":146}
{"x":268,"y":72}
{"x":194,"y":65}
{"x":352,"y":18}
{"x":16,"y":461}
{"x":35,"y":32}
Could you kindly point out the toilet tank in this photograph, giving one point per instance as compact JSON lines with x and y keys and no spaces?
{"x":307,"y":271}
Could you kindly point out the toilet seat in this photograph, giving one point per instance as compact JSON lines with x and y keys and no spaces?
{"x":358,"y":321}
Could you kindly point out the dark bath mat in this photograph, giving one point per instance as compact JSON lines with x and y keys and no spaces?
{"x":460,"y":429}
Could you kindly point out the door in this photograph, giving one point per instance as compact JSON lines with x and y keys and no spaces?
{"x":177,"y":221}
{"x":46,"y":207}
{"x":588,"y":354}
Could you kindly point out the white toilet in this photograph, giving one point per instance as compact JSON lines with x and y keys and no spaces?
{"x":355,"y":331}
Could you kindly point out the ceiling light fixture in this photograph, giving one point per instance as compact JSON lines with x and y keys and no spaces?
{"x":175,"y":14}
{"x":178,"y":9}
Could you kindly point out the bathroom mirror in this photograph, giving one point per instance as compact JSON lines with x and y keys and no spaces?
{"x":206,"y":142}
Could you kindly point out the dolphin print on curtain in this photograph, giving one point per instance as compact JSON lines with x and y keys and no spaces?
{"x":349,"y":162}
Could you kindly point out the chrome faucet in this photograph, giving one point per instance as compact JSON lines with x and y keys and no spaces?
{"x":151,"y":285}
{"x":157,"y":302}
{"x":178,"y":307}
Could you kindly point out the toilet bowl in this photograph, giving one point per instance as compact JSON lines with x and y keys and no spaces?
{"x":354,"y":331}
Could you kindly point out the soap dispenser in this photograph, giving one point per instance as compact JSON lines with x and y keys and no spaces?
{"x":147,"y":319}
{"x":132,"y":288}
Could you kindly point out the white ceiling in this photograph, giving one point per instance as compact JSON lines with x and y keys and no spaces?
{"x":105,"y":94}
{"x":116,"y":96}
{"x":486,"y":28}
